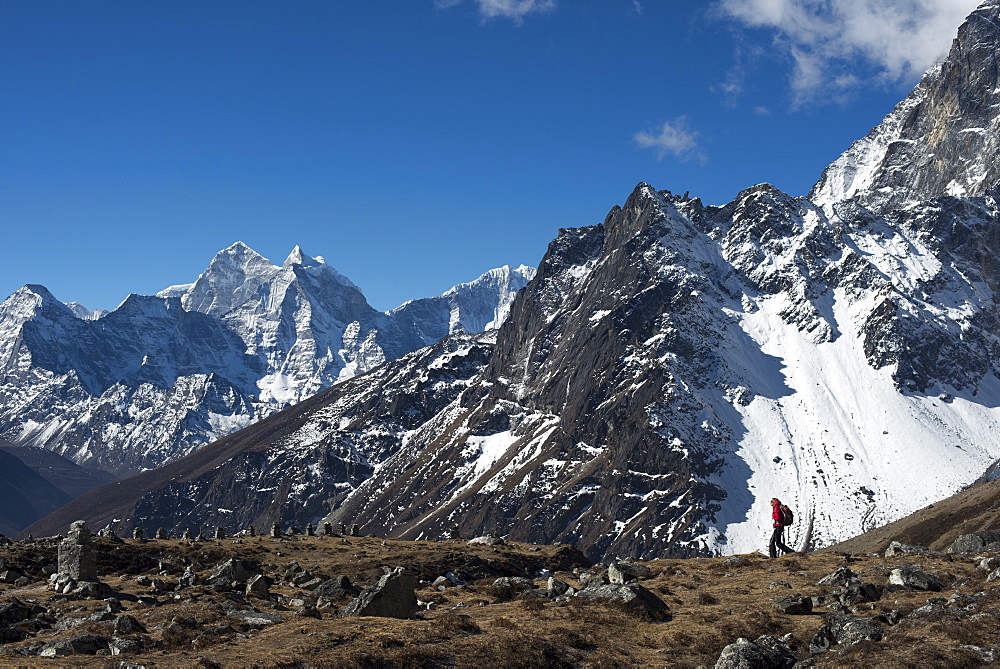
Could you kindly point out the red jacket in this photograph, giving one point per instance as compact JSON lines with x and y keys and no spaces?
{"x":776,"y":515}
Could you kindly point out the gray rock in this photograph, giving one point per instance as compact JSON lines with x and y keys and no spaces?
{"x":975,"y":542}
{"x":848,"y":630}
{"x":917,"y":580}
{"x":125,"y":646}
{"x":624,"y":572}
{"x":855,"y":593}
{"x":488,"y":540}
{"x":557,"y":588}
{"x":255,"y":618}
{"x":989,"y":564}
{"x":87,"y":644}
{"x":392,"y":597}
{"x":257,"y":587}
{"x":14,"y":611}
{"x":842,"y":576}
{"x":794,"y":605}
{"x":899,"y":548}
{"x":232,"y":570}
{"x":126,"y":624}
{"x":335,"y":588}
{"x":746,"y":654}
{"x":93,"y":590}
{"x":736,"y":561}
{"x":632,"y":596}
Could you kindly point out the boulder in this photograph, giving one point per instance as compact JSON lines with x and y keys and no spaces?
{"x":14,"y":611}
{"x":392,"y":597}
{"x":842,"y":576}
{"x":335,"y":588}
{"x":488,"y":540}
{"x":794,"y":605}
{"x":847,"y":630}
{"x":625,"y":572}
{"x":556,"y":587}
{"x":855,"y":593}
{"x":899,"y":548}
{"x":760,"y":654}
{"x":975,"y":542}
{"x":632,"y":596}
{"x":87,"y":644}
{"x":233,"y":570}
{"x":126,"y":624}
{"x":915,"y":579}
{"x":257,"y":587}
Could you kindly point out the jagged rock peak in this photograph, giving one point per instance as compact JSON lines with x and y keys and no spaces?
{"x":943,"y":139}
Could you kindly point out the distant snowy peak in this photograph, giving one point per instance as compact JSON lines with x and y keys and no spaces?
{"x":315,"y":265}
{"x":943,"y":139}
{"x":476,"y":306}
{"x":85,"y":314}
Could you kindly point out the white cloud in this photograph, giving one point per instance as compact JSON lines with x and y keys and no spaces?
{"x":825,"y":39}
{"x":514,"y":10}
{"x":672,"y":137}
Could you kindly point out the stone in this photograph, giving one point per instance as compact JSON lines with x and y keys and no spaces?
{"x":743,"y":654}
{"x":488,"y":540}
{"x":507,"y":587}
{"x":899,"y":548}
{"x":251,"y":532}
{"x":87,"y":644}
{"x":257,"y":587}
{"x":327,"y":529}
{"x":989,"y":564}
{"x":310,"y":530}
{"x":126,"y":624}
{"x":441,"y":583}
{"x":161,"y":533}
{"x":137,"y":534}
{"x":915,"y":579}
{"x":557,"y":588}
{"x":392,"y":597}
{"x":343,"y":528}
{"x":632,"y":596}
{"x":14,"y":611}
{"x":335,"y":588}
{"x":355,"y":530}
{"x":93,"y":590}
{"x":220,"y":533}
{"x":794,"y":605}
{"x":847,"y":630}
{"x":276,"y":530}
{"x":736,"y":561}
{"x":188,"y":535}
{"x":842,"y":576}
{"x":77,"y":557}
{"x":624,"y":572}
{"x":255,"y":618}
{"x":233,"y":570}
{"x":975,"y":542}
{"x":855,"y":593}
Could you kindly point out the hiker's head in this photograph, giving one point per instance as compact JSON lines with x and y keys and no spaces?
{"x":775,"y":501}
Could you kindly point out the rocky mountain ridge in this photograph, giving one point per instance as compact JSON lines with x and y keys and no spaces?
{"x":663,"y":375}
{"x":162,"y":375}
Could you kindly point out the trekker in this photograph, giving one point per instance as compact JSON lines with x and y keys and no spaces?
{"x":779,"y":521}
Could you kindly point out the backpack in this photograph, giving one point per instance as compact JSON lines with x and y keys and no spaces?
{"x":787,"y":517}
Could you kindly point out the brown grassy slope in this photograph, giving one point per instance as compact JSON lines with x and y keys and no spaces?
{"x":713,"y":603}
{"x":936,"y":525}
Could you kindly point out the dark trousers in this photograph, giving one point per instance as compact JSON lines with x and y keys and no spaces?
{"x":776,"y":542}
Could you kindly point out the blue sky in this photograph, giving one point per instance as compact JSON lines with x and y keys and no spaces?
{"x":412,"y":143}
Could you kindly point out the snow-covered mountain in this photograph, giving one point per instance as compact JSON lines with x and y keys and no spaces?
{"x":941,"y":140}
{"x":667,"y":372}
{"x":162,"y":375}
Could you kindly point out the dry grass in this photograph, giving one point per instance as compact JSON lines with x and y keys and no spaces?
{"x":712,"y":604}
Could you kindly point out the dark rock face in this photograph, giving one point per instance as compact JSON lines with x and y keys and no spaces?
{"x":941,"y":140}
